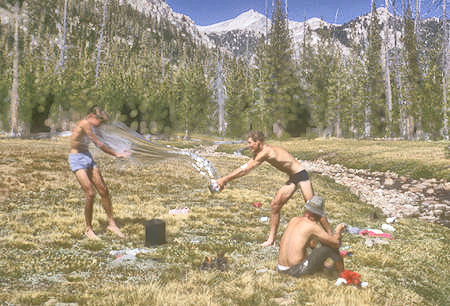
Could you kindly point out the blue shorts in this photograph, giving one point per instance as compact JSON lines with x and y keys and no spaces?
{"x":79,"y":161}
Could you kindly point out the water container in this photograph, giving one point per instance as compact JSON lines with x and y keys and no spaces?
{"x":155,"y":232}
{"x":213,"y":187}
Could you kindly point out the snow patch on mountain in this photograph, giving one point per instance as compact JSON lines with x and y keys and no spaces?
{"x":160,"y":9}
{"x":247,"y":21}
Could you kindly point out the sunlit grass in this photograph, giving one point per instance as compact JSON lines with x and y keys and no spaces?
{"x":46,"y":258}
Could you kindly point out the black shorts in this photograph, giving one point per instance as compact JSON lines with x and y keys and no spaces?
{"x":298,"y":177}
{"x":313,"y":262}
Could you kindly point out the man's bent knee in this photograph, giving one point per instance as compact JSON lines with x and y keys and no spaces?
{"x":90,"y":194}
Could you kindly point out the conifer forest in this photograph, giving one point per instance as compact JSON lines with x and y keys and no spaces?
{"x":59,"y":57}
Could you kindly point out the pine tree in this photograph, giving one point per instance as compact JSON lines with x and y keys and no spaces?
{"x":411,"y":76}
{"x":283,"y":94}
{"x":374,"y":107}
{"x":238,"y":101}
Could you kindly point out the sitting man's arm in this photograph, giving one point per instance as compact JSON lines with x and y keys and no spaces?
{"x":242,"y":170}
{"x":332,"y":240}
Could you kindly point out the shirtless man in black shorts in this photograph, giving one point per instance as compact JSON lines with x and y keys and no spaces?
{"x":283,"y":161}
{"x":301,"y":233}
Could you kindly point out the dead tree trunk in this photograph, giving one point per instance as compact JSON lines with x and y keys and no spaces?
{"x":60,"y":68}
{"x":220,"y":95}
{"x":387,"y":75}
{"x":100,"y":40}
{"x":63,"y":43}
{"x":444,"y":72}
{"x":402,"y":102}
{"x":15,"y":82}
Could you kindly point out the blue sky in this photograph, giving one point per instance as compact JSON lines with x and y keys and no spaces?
{"x":206,"y":12}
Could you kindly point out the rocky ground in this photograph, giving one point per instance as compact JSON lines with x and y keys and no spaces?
{"x":397,"y":196}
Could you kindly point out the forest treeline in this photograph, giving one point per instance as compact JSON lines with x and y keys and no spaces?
{"x":59,"y":57}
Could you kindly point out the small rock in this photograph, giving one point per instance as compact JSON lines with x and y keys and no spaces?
{"x":415,"y":189}
{"x":429,"y":191}
{"x":388,"y":181}
{"x":437,"y":212}
{"x":403,"y":179}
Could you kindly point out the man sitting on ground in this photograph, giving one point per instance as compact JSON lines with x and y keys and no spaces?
{"x":300,"y":234}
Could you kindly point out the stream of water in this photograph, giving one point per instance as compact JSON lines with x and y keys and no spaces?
{"x":143,"y":152}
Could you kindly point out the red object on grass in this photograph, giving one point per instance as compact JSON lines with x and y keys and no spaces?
{"x":373,"y":234}
{"x":352,"y":278}
{"x":257,"y":204}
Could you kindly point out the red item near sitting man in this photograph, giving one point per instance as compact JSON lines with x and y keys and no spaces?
{"x":352,"y":278}
{"x":257,"y":204}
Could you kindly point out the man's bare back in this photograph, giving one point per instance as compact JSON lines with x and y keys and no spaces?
{"x":298,"y":236}
{"x":295,"y":240}
{"x":279,"y":158}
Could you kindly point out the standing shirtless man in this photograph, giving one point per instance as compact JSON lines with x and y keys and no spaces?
{"x":283,"y":161}
{"x":86,"y":170}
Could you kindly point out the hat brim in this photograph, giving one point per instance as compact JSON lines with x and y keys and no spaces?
{"x":314,"y":210}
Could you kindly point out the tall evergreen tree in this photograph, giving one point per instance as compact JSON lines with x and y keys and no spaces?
{"x":411,"y":76}
{"x":374,"y":107}
{"x":238,"y":101}
{"x":283,"y":94}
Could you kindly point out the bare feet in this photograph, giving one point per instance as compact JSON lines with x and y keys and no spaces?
{"x":269,"y":242}
{"x":91,"y":234}
{"x":115,"y":230}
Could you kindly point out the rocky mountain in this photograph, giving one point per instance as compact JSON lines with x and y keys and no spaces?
{"x":160,"y":9}
{"x":241,"y":34}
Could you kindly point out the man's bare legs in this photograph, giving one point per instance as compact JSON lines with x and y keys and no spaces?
{"x":282,"y":196}
{"x":82,"y":176}
{"x":102,"y":189}
{"x":89,"y":179}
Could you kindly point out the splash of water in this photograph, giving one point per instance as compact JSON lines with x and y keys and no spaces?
{"x":121,"y":138}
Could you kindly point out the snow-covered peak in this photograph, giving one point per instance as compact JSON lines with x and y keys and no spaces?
{"x":313,"y":24}
{"x":249,"y":20}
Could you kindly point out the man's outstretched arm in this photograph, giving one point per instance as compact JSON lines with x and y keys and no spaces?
{"x":241,"y":171}
{"x":90,"y":133}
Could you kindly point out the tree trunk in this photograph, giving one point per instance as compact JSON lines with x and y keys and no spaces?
{"x":63,"y":43}
{"x":100,"y":40}
{"x":277,"y":128}
{"x":402,"y":102}
{"x":220,"y":96}
{"x":15,"y":82}
{"x":367,"y":119}
{"x":444,"y":72}
{"x":387,"y":75}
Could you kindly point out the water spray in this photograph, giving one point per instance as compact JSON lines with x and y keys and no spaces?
{"x":121,"y":138}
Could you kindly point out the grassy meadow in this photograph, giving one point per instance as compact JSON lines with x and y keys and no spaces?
{"x":45,"y":258}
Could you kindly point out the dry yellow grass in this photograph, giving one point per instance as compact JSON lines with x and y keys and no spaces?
{"x":46,"y":259}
